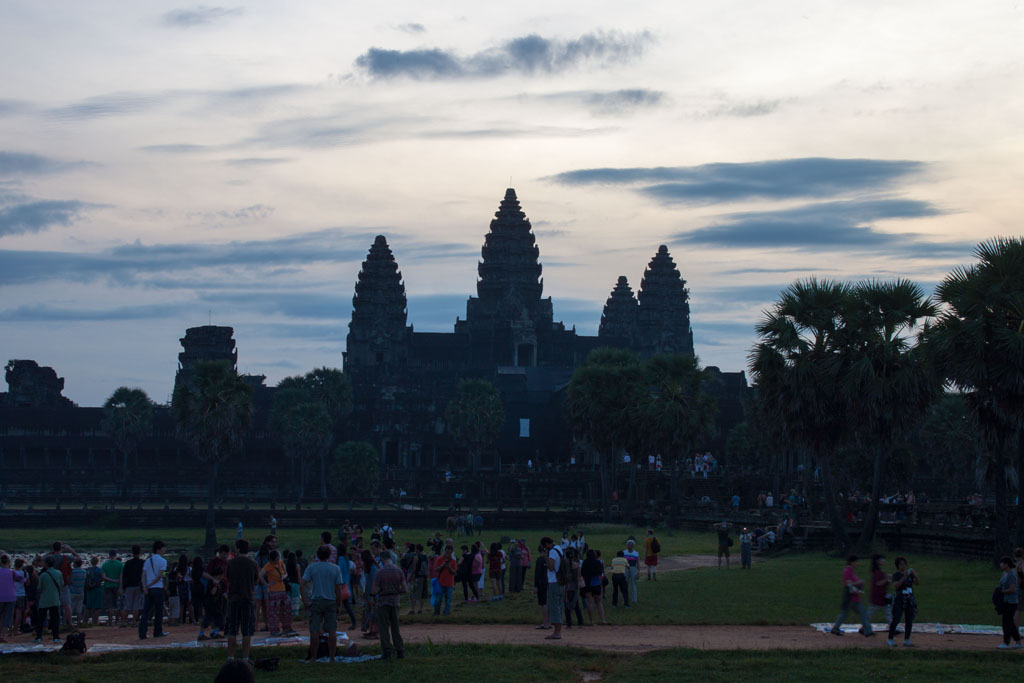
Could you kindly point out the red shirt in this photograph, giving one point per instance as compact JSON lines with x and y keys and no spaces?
{"x":445,"y":569}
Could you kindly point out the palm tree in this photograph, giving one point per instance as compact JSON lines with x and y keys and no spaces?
{"x":475,"y":417}
{"x":213,"y":412}
{"x":887,"y":381}
{"x":302,"y":425}
{"x":979,"y":343}
{"x":355,"y":469}
{"x":128,"y":419}
{"x":601,"y":405}
{"x":798,"y":367}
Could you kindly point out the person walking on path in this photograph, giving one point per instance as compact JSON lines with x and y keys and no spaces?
{"x":746,"y":538}
{"x":723,"y":543}
{"x":879,"y":585}
{"x":619,"y":568}
{"x":324,"y":579}
{"x":853,"y":587}
{"x":153,"y":571}
{"x":242,"y":577}
{"x":557,"y":573}
{"x":633,"y":559}
{"x":388,"y":586}
{"x":903,"y":602}
{"x":1009,"y":588}
{"x":51,"y":583}
{"x":652,"y":546}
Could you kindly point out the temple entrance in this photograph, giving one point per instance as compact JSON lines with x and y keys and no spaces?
{"x":526,"y":355}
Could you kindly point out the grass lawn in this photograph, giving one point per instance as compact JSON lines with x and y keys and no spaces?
{"x":515,"y":664}
{"x":790,"y":589}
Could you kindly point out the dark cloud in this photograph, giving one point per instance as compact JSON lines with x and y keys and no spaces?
{"x":747,"y":109}
{"x":841,"y":225}
{"x":412,"y":27}
{"x":814,"y":177}
{"x":46,"y":313}
{"x":38,"y":215}
{"x":21,"y":163}
{"x":529,"y":55}
{"x":602,"y":102}
{"x":198,"y":16}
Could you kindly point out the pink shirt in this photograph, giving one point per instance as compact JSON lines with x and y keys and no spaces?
{"x":849,"y":577}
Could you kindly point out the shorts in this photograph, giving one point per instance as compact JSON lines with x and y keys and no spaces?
{"x":260,"y":592}
{"x":323,"y":616}
{"x":241,"y":618}
{"x":20,"y":602}
{"x":542,"y":594}
{"x":6,"y":614}
{"x":556,"y":602}
{"x":111,"y":598}
{"x":651,"y":560}
{"x":134,"y":599}
{"x":592,"y":590}
{"x":723,"y":550}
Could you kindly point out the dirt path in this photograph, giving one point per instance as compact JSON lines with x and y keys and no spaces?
{"x":628,"y":639}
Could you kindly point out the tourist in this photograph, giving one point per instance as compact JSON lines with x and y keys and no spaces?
{"x":242,"y":576}
{"x":524,"y":562}
{"x":323,"y":580}
{"x":734,"y":502}
{"x":593,"y":580}
{"x":514,"y":567}
{"x":239,"y":532}
{"x":556,"y":578}
{"x":182,"y":576}
{"x":51,"y":583}
{"x":540,"y":586}
{"x":651,"y":549}
{"x":445,"y":568}
{"x":197,"y":588}
{"x":294,"y":589}
{"x":20,"y":600}
{"x":572,"y":588}
{"x":214,"y":602}
{"x":1009,"y":587}
{"x":7,"y":597}
{"x":478,"y":524}
{"x":746,"y":539}
{"x":1018,"y":561}
{"x":904,"y":602}
{"x":620,"y":565}
{"x":279,"y":608}
{"x":172,"y":589}
{"x":273,"y":525}
{"x":260,"y":590}
{"x":63,"y":564}
{"x":494,"y":560}
{"x":112,"y":570}
{"x":465,"y":575}
{"x":632,"y":556}
{"x":153,"y":571}
{"x":93,"y":591}
{"x":77,"y":592}
{"x":853,"y":587}
{"x":769,"y":500}
{"x":132,"y":599}
{"x":723,"y":543}
{"x":879,"y":585}
{"x":388,"y":586}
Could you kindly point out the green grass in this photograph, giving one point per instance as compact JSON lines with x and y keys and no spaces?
{"x":514,"y":664}
{"x":791,"y":589}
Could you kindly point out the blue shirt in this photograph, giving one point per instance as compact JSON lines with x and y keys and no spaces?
{"x":324,"y":576}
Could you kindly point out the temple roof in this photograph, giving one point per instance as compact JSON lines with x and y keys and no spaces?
{"x":510,"y":257}
{"x":380,"y":292}
{"x":618,"y":320}
{"x":664,"y":313}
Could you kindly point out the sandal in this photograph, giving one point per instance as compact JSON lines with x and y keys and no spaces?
{"x":552,"y":637}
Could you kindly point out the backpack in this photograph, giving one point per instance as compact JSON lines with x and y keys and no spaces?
{"x":998,"y":600}
{"x":656,"y":547}
{"x":563,"y":567}
{"x":92,"y":579}
{"x":74,"y":643}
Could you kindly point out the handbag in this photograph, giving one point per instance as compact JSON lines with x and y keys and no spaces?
{"x":345,"y":592}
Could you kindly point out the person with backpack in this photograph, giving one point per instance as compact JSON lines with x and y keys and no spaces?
{"x":652,"y":546}
{"x":63,"y":563}
{"x":153,"y":571}
{"x":558,"y":577}
{"x":51,"y":584}
{"x":1009,"y":591}
{"x":93,"y":592}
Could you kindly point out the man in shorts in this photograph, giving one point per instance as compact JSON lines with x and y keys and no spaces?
{"x":324,"y":579}
{"x":111,"y":575}
{"x":132,"y":599}
{"x":242,"y":575}
{"x":723,"y":543}
{"x":556,"y":590}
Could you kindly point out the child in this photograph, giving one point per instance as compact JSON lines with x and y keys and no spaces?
{"x":215,"y":603}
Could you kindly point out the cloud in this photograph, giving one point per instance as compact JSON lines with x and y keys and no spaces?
{"x":21,"y":163}
{"x":8,"y":107}
{"x":412,"y":28}
{"x":840,"y":225}
{"x":528,"y":55}
{"x":603,"y":102}
{"x":255,"y":212}
{"x":198,"y":16}
{"x":815,"y":177}
{"x":257,"y":161}
{"x":114,"y":104}
{"x":746,"y":109}
{"x":40,"y":214}
{"x":175,"y":148}
{"x":46,"y":313}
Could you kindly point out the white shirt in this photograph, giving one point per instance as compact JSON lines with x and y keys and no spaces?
{"x":153,"y":569}
{"x":632,"y":556}
{"x":555,"y":554}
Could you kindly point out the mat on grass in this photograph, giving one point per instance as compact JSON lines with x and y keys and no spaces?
{"x":101,"y":647}
{"x":926,"y":627}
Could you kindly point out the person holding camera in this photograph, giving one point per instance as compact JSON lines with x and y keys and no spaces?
{"x":903,"y":601}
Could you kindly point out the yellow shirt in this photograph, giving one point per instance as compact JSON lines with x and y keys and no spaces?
{"x":619,"y":565}
{"x":647,"y":546}
{"x":275,"y":576}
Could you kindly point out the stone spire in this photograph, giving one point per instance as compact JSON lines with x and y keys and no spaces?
{"x":377,"y":332}
{"x":618,"y":320}
{"x":663,"y":316}
{"x":510,"y":256}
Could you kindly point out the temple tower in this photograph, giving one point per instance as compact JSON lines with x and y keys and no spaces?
{"x":663,"y":316}
{"x":203,"y":344}
{"x":377,"y":332}
{"x":619,"y":318}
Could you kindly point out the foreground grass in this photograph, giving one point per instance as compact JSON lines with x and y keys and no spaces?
{"x":791,"y":589}
{"x":499,"y":663}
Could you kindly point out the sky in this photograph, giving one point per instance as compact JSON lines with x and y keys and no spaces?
{"x":166,"y":165}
